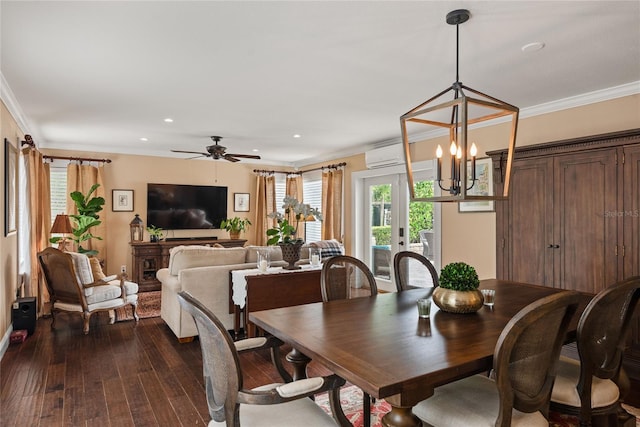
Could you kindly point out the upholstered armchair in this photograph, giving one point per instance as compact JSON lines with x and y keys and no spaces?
{"x":72,"y":287}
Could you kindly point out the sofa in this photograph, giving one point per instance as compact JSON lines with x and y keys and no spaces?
{"x":204,"y":272}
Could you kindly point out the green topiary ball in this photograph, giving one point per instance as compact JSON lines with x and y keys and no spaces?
{"x":459,"y":276}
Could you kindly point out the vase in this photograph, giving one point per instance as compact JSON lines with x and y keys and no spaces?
{"x":234,"y":235}
{"x":291,"y":254}
{"x":457,"y":301}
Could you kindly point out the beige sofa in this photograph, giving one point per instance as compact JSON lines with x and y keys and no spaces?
{"x":203,"y":271}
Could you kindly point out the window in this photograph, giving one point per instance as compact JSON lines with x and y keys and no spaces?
{"x":58,"y":186}
{"x":312,"y":190}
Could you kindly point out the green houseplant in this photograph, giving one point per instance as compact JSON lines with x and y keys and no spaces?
{"x":155,"y":233}
{"x":86,"y":218}
{"x":458,"y":289}
{"x":235,"y":225}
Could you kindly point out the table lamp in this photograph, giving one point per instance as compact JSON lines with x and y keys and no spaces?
{"x":62,"y":225}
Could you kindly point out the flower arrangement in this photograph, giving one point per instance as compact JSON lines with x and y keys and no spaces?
{"x":287,"y":223}
{"x":459,"y":276}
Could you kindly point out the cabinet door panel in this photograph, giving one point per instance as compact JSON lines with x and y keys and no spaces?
{"x":631,"y":214}
{"x":529,"y":215}
{"x":585,"y":189}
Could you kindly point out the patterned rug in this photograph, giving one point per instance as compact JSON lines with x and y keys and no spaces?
{"x":148,"y":306}
{"x":351,"y":400}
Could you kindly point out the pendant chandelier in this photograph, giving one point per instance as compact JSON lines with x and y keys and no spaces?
{"x":468,"y":107}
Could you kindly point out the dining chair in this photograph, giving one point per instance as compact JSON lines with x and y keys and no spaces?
{"x":280,"y":404}
{"x":588,"y":388}
{"x":346,"y":277}
{"x":412,"y":270}
{"x":73,"y":288}
{"x":524,"y":363}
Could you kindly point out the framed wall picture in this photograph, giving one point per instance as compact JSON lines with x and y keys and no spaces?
{"x":241,"y":202}
{"x":122,"y":200}
{"x":482,"y":187}
{"x":10,"y":186}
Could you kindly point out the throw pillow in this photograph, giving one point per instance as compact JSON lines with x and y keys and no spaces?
{"x":96,"y":269}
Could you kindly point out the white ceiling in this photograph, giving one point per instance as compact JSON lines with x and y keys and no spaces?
{"x":98,"y":76}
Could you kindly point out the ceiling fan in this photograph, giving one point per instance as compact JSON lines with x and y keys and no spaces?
{"x":218,"y":151}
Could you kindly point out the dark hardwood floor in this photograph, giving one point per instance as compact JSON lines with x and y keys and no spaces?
{"x":125,"y":374}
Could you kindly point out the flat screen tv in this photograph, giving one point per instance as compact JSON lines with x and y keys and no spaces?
{"x":186,"y":207}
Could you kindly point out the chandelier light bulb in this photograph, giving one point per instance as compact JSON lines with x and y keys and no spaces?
{"x":439,"y":152}
{"x":459,"y":153}
{"x":453,"y":149}
{"x":474,"y":150}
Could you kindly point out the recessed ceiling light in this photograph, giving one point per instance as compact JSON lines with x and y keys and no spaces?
{"x":255,"y":150}
{"x":168,"y":120}
{"x":297,"y":135}
{"x":144,"y":139}
{"x":532,"y":47}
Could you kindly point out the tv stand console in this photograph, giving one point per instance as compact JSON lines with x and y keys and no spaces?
{"x":149,"y":257}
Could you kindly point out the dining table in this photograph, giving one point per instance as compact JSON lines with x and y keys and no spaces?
{"x":380,"y":344}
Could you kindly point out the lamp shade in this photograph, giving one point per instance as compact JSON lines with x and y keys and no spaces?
{"x":61,"y":225}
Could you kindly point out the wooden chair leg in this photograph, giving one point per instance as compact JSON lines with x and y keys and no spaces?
{"x":135,"y":312}
{"x":86,"y":316}
{"x":366,"y":409}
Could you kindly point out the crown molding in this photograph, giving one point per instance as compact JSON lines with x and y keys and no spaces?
{"x":10,"y":101}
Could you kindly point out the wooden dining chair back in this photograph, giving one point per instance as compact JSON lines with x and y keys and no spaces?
{"x":274,"y":404}
{"x":524,"y":363}
{"x":588,"y":387}
{"x":412,"y":270}
{"x":346,"y":277}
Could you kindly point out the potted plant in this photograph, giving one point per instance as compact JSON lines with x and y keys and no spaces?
{"x":235,"y":225}
{"x":458,"y":289}
{"x":155,"y":233}
{"x":86,"y":218}
{"x":284,"y":233}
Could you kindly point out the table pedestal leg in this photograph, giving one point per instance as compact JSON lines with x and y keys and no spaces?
{"x":400,"y":417}
{"x":299,"y":362}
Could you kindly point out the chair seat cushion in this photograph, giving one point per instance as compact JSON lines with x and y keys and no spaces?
{"x":471,"y":401}
{"x":300,"y":412}
{"x":603,"y":392}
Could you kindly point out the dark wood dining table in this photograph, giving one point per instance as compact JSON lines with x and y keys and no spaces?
{"x":380,"y":345}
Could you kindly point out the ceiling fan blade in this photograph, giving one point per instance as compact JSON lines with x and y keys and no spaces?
{"x":229,"y":158}
{"x":191,"y":152}
{"x":245,"y":156}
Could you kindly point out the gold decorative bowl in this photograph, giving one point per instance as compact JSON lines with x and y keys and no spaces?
{"x":457,"y":301}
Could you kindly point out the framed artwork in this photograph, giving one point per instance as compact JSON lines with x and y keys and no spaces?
{"x":10,"y":186}
{"x":122,"y":200}
{"x":241,"y":202}
{"x":482,"y":187}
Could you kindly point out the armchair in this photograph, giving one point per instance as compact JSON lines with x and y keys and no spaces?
{"x":73,"y":289}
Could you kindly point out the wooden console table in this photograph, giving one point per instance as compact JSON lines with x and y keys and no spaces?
{"x":274,"y":289}
{"x":149,"y":257}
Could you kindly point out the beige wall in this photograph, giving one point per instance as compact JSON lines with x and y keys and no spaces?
{"x":8,"y":244}
{"x":128,"y":172}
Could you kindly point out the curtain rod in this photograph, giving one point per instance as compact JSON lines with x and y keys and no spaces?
{"x":29,"y":141}
{"x":334,"y":166}
{"x":80,"y":159}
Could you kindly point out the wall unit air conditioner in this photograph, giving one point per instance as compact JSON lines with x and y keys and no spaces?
{"x":385,"y":156}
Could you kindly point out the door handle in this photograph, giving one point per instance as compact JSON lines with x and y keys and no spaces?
{"x":553,"y":246}
{"x":401,"y":243}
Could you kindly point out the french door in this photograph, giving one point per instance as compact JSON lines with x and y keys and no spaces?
{"x":392,"y":224}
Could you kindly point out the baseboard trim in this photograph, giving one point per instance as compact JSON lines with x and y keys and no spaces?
{"x":4,"y":343}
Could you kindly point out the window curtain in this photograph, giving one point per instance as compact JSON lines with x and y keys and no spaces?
{"x":293,"y":188}
{"x":265,"y":204}
{"x":332,"y":204}
{"x":80,"y":178}
{"x":37,"y":224}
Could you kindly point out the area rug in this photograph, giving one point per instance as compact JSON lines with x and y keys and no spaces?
{"x":351,"y":401}
{"x":148,"y":306}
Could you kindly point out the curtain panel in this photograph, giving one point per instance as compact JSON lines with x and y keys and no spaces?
{"x":265,"y":204}
{"x":332,"y":182}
